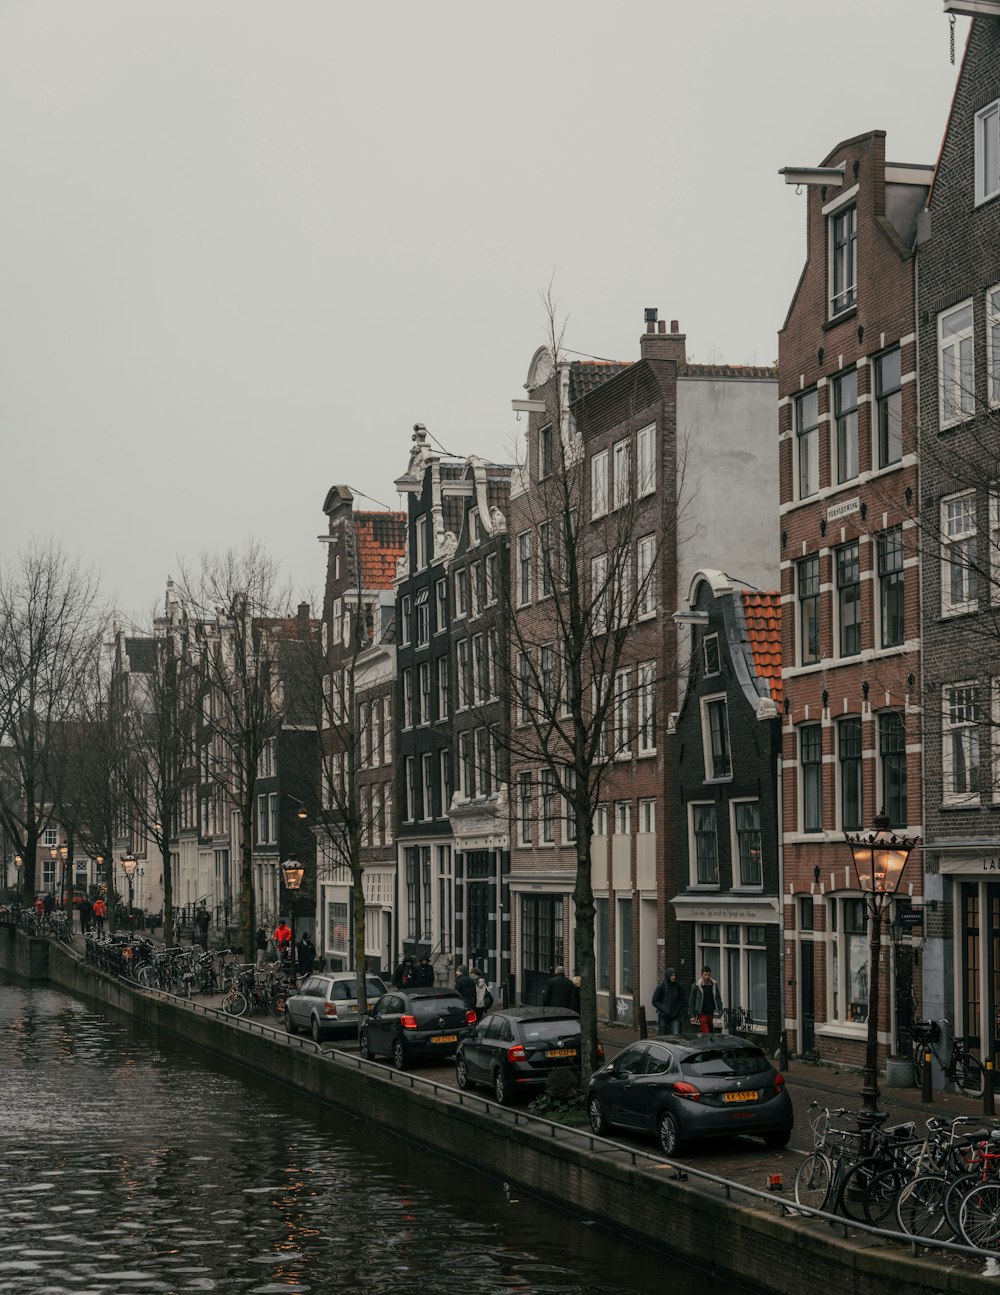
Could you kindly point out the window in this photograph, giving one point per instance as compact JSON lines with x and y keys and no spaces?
{"x":603,"y":959}
{"x":988,"y":151}
{"x":407,"y":698}
{"x":645,"y":456}
{"x":623,"y":817}
{"x":524,"y":568}
{"x":847,"y":921}
{"x":811,"y":768}
{"x":959,"y":588}
{"x":263,"y":820}
{"x":645,"y":576}
{"x":523,"y":688}
{"x":710,"y":653}
{"x":624,"y":979}
{"x":464,"y":674}
{"x":599,"y":593}
{"x":843,"y":259}
{"x":623,"y":713}
{"x":547,"y":679}
{"x":466,"y":765}
{"x":411,"y":788}
{"x":569,"y":805}
{"x":808,"y":587}
{"x":849,"y":598}
{"x":423,"y":620}
{"x":647,"y":816}
{"x":889,"y":550}
{"x":960,"y":754}
{"x":956,"y":364}
{"x":545,"y":554}
{"x":746,"y":822}
{"x":545,"y":453}
{"x":621,"y":481}
{"x":387,"y":729}
{"x":845,"y":408}
{"x":491,"y":589}
{"x":475,"y":588}
{"x":387,"y":836}
{"x":425,"y":693}
{"x":524,"y":808}
{"x":483,"y":780}
{"x":445,"y":763}
{"x":404,"y":620}
{"x":420,"y":534}
{"x":480,"y":664}
{"x":647,"y":707}
{"x":993,"y":345}
{"x":892,"y":760}
{"x":427,"y":781}
{"x":442,"y":687}
{"x":601,"y":820}
{"x":715,"y":730}
{"x":441,"y":607}
{"x":889,"y":408}
{"x":547,"y":786}
{"x":807,"y":440}
{"x":599,"y":484}
{"x":462,"y":592}
{"x":600,"y":697}
{"x":705,"y":847}
{"x":849,"y":757}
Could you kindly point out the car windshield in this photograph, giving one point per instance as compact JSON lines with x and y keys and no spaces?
{"x":435,"y":1006}
{"x":725,"y":1061}
{"x":347,"y":990}
{"x":536,"y":1032}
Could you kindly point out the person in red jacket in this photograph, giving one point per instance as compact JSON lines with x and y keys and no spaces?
{"x":100,"y":913}
{"x":283,"y":940}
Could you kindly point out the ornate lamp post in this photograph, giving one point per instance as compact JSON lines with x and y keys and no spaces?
{"x":18,"y":867}
{"x":129,"y":865}
{"x":293,"y":872}
{"x":879,"y":859}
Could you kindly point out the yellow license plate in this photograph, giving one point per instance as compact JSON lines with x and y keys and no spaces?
{"x":445,"y":1038}
{"x":561,"y":1052}
{"x":750,"y":1095}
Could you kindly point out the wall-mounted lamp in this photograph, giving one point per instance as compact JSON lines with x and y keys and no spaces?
{"x":788,"y":704}
{"x":911,"y":679}
{"x":816,"y":874}
{"x":819,"y":355}
{"x":864,"y":689}
{"x":826,"y":700}
{"x":861,"y":333}
{"x":908,"y":494}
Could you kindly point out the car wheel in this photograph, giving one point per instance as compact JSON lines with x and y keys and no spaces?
{"x":598,"y":1124}
{"x":461,"y":1073}
{"x":290,"y":1025}
{"x":364,"y":1047}
{"x":315,"y":1031}
{"x":777,"y":1140}
{"x":398,"y":1055}
{"x":500,"y":1091}
{"x":670,"y":1139}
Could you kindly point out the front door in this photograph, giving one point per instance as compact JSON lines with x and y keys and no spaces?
{"x":541,"y":944}
{"x":807,"y":997}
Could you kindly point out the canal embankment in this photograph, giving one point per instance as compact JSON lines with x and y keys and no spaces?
{"x":748,"y":1238}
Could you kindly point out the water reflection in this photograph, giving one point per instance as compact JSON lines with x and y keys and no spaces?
{"x":133,"y":1164}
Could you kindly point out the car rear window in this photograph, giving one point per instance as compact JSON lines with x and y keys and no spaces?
{"x":725,"y":1061}
{"x":435,"y":1006}
{"x":533,"y":1032}
{"x":347,"y":990}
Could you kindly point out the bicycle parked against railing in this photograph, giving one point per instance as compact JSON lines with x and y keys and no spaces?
{"x":961,"y":1068}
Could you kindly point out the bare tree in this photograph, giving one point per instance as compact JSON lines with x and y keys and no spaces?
{"x":49,"y":626}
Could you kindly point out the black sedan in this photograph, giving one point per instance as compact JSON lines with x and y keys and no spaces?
{"x":516,"y":1049}
{"x":408,"y":1023}
{"x":685,"y":1090}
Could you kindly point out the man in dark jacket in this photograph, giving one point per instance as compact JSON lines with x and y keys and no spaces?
{"x":668,"y":999}
{"x":466,"y":986}
{"x":306,"y":955}
{"x":558,"y":990}
{"x":403,"y":977}
{"x":86,"y":910}
{"x":705,"y":1002}
{"x":423,"y":977}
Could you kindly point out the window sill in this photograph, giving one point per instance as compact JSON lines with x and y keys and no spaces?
{"x":963,"y":802}
{"x":847,"y":1030}
{"x":965,"y":609}
{"x":850,"y":312}
{"x":703,"y":887}
{"x":647,"y":616}
{"x":647,"y":755}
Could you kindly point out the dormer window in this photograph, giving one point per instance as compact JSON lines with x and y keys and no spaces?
{"x":843,"y":259}
{"x":988,"y":152}
{"x":710,"y":648}
{"x":420,"y":534}
{"x":544,"y":453}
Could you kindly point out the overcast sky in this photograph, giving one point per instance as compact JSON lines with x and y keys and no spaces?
{"x":245,"y":245}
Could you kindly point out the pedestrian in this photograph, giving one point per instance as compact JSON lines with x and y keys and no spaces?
{"x":100,"y":913}
{"x":423,"y":975}
{"x":203,"y":920}
{"x":86,"y":912}
{"x":466,"y":986}
{"x":283,"y":939}
{"x":668,"y":1000}
{"x":306,"y":954}
{"x":484,"y":998}
{"x":404,"y":977}
{"x":48,"y":903}
{"x":705,"y":1002}
{"x":260,"y":944}
{"x":558,"y":990}
{"x":39,"y":905}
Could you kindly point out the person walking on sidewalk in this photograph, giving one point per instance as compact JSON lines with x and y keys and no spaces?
{"x":203,"y":920}
{"x":558,"y":990}
{"x":705,"y":1002}
{"x":668,"y":1000}
{"x":100,"y":913}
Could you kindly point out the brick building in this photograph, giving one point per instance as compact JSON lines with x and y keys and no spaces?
{"x":849,"y":583}
{"x":959,"y":337}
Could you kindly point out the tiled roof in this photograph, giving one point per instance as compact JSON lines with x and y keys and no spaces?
{"x":731,"y":371}
{"x":588,"y":375}
{"x":762,"y":613}
{"x":381,"y":542}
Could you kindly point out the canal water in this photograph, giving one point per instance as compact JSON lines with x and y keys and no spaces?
{"x":134,"y":1164}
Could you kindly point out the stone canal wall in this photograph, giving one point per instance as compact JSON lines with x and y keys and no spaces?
{"x":751,"y":1244}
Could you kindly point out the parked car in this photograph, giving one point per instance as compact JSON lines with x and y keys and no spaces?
{"x":687,"y":1089}
{"x":516,"y":1049}
{"x":408,"y":1023}
{"x":327,"y":1003}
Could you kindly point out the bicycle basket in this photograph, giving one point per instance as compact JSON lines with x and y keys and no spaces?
{"x":926,"y":1031}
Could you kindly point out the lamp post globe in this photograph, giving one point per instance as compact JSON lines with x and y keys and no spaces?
{"x":879,"y":859}
{"x":293,"y":872}
{"x":129,"y":865}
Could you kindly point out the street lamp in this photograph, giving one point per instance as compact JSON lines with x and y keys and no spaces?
{"x":293,"y":873}
{"x":60,"y":853}
{"x":129,"y":865}
{"x":18,"y":865}
{"x":879,"y":859}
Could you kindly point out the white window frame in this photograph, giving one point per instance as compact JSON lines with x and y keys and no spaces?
{"x":404,"y":620}
{"x":622,"y":713}
{"x":837,"y":988}
{"x":546,"y":585}
{"x":806,"y":435}
{"x":424,"y":679}
{"x":442,"y":687}
{"x":601,"y":820}
{"x":953,"y":536}
{"x":695,"y":882}
{"x":408,"y":697}
{"x":441,"y":606}
{"x":525,"y":582}
{"x":524,"y":798}
{"x":646,"y":700}
{"x":645,"y":569}
{"x":960,"y":404}
{"x":647,"y":816}
{"x":545,"y":438}
{"x":444,"y":772}
{"x":706,"y":738}
{"x":420,"y":542}
{"x":645,"y":461}
{"x":410,"y":789}
{"x":734,"y":838}
{"x":599,"y":591}
{"x":987,"y":120}
{"x":949,"y":726}
{"x":546,"y":807}
{"x":848,"y":290}
{"x":993,"y":345}
{"x":622,"y":483}
{"x":599,"y":484}
{"x":387,"y":729}
{"x":427,"y":784}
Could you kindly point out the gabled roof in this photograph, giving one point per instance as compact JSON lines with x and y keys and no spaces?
{"x":381,"y":539}
{"x":762,"y":615}
{"x":587,"y":375}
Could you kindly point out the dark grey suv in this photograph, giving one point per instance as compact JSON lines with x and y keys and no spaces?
{"x":408,"y":1023}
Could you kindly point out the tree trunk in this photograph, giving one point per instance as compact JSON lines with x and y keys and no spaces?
{"x":248,"y":925}
{"x":360,"y":967}
{"x":168,"y":895}
{"x":29,"y":879}
{"x":583,"y":901}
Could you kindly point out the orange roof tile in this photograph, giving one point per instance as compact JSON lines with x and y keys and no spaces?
{"x":762,"y":613}
{"x":381,"y":541}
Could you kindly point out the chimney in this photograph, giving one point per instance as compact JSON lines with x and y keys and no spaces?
{"x":303,"y":619}
{"x":657,"y":344}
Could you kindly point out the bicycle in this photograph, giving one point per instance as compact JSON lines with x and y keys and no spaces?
{"x":820,"y":1176}
{"x":961,"y":1069}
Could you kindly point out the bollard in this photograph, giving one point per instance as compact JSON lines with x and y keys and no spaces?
{"x":783,"y":1050}
{"x":643,"y":1033}
{"x":927,"y":1095}
{"x":988,"y":1105}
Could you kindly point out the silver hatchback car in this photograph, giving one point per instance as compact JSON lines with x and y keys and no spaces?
{"x":326,"y":1003}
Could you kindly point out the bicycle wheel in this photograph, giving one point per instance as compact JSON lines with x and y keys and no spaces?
{"x":920,"y":1208}
{"x":234,"y":1004}
{"x":918,"y":1066}
{"x":812,"y":1182}
{"x":853,"y":1187}
{"x":957,"y":1191}
{"x":970,"y":1075}
{"x":881,"y":1194}
{"x":278,"y":1007}
{"x":979,"y":1216}
{"x":147,"y":976}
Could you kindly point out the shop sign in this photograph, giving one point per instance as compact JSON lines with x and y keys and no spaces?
{"x":989,"y":864}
